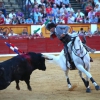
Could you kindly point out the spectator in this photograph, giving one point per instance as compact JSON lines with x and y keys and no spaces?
{"x":79,"y":19}
{"x":22,"y":20}
{"x":12,"y":33}
{"x":15,"y":20}
{"x":97,"y":32}
{"x":11,"y":14}
{"x":70,"y":9}
{"x":97,"y":13}
{"x":8,"y":20}
{"x":36,"y":16}
{"x":66,"y":3}
{"x":71,"y":19}
{"x":94,"y":19}
{"x":86,"y":20}
{"x":40,"y":21}
{"x":96,"y":8}
{"x":2,"y":15}
{"x":91,"y":13}
{"x":24,"y":32}
{"x":48,"y":9}
{"x":79,"y":13}
{"x":2,"y":8}
{"x":1,"y":20}
{"x":62,"y":9}
{"x":89,"y":33}
{"x":55,"y":9}
{"x":58,"y":3}
{"x":3,"y":33}
{"x":98,"y":3}
{"x":29,"y":20}
{"x":88,"y":8}
{"x":19,"y":14}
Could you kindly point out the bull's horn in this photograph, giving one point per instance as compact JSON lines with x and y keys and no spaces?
{"x":47,"y":57}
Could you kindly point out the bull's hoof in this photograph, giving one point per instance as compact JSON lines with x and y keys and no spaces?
{"x":97,"y":87}
{"x":72,"y":88}
{"x":29,"y":88}
{"x":88,"y":90}
{"x":17,"y":87}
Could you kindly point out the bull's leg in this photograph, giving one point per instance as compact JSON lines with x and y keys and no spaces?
{"x":17,"y":85}
{"x":28,"y":83}
{"x":80,"y":67}
{"x":68,"y":81}
{"x":86,"y":82}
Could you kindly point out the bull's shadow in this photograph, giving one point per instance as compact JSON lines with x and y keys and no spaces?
{"x":19,"y":68}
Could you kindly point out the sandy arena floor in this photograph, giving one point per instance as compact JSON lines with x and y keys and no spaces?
{"x":51,"y":85}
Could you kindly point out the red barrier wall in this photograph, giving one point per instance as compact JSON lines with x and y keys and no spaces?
{"x":42,"y":44}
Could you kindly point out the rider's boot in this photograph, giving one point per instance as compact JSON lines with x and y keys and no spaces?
{"x":91,"y":60}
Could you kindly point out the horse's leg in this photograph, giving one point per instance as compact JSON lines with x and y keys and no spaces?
{"x":68,"y":81}
{"x":80,"y":67}
{"x":86,"y":82}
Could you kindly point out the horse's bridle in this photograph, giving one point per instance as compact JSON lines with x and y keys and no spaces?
{"x":75,"y":52}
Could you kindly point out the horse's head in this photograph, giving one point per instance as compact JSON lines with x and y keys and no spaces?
{"x":77,"y":45}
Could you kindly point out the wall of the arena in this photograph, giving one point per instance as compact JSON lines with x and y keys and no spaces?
{"x":18,"y":28}
{"x":42,"y":44}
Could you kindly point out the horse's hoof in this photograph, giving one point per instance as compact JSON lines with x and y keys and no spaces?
{"x":88,"y":90}
{"x":97,"y":87}
{"x":72,"y":88}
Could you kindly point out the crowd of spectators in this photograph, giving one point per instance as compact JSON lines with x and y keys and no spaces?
{"x":57,"y":11}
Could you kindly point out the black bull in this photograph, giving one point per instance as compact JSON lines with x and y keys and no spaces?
{"x":20,"y":67}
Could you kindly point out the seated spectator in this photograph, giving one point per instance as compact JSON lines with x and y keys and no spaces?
{"x":71,"y":19}
{"x":79,"y":13}
{"x":24,"y":32}
{"x":11,"y":14}
{"x":40,"y":21}
{"x":97,"y":32}
{"x":36,"y":15}
{"x":86,"y":20}
{"x":97,"y":13}
{"x":15,"y":20}
{"x":19,"y":14}
{"x":79,"y":19}
{"x":2,"y":8}
{"x":48,"y":9}
{"x":93,"y":19}
{"x":88,"y":33}
{"x":8,"y":20}
{"x":63,"y":19}
{"x":88,"y":8}
{"x":29,"y":21}
{"x":91,"y":13}
{"x":1,"y":20}
{"x":44,"y":17}
{"x":70,"y":9}
{"x":2,"y":15}
{"x":96,"y":8}
{"x":55,"y":9}
{"x":66,"y":3}
{"x":3,"y":33}
{"x":58,"y":3}
{"x":62,"y":9}
{"x":22,"y":20}
{"x":11,"y":33}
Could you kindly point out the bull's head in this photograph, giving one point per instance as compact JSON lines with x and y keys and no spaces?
{"x":38,"y":60}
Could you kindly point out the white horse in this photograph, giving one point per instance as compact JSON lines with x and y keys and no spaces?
{"x":81,"y":60}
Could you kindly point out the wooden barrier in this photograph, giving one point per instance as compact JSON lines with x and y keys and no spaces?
{"x":42,"y":44}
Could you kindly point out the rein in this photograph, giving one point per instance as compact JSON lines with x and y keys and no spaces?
{"x":77,"y":49}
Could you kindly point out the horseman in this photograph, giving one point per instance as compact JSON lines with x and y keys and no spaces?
{"x":61,"y":32}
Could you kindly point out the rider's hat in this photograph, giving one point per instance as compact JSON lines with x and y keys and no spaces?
{"x":50,"y":25}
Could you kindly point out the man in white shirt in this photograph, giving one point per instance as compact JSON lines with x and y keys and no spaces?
{"x":71,"y":19}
